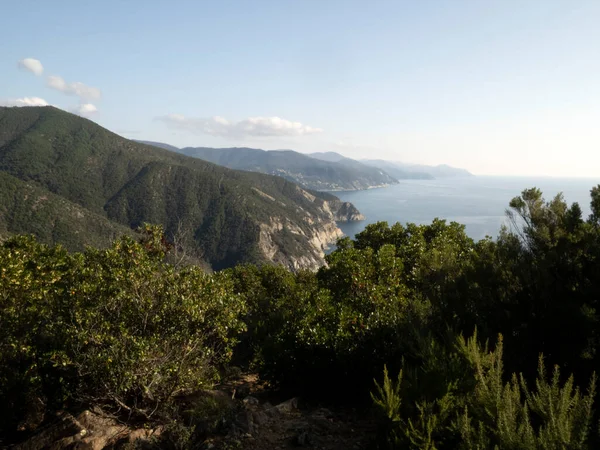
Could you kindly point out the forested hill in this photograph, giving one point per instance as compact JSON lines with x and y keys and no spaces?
{"x":309,"y":172}
{"x":25,"y":207}
{"x":61,"y":172}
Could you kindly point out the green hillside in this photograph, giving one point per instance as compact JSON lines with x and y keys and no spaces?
{"x":312,"y":173}
{"x":228,"y":216}
{"x":27,"y":208}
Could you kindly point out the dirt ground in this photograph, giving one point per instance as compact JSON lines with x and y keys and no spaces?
{"x":273,"y":424}
{"x":257,"y":419}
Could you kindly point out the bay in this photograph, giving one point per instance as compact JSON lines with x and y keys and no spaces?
{"x":477,"y":202}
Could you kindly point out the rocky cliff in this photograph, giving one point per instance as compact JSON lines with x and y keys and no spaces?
{"x":283,"y":241}
{"x":344,"y":211}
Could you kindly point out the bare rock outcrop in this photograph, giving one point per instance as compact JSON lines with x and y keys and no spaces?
{"x":303,"y":245}
{"x":90,"y":430}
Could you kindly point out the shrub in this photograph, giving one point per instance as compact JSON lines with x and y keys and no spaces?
{"x":484,"y":411}
{"x":313,"y":333}
{"x":117,"y":326}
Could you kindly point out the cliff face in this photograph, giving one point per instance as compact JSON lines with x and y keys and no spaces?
{"x":344,"y":211}
{"x":283,"y":241}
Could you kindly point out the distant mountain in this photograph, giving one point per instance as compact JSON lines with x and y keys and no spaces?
{"x":171,"y":148}
{"x":391,"y":169}
{"x":328,"y":156}
{"x":70,"y":181}
{"x":399,"y":172}
{"x":440,"y":171}
{"x":310,"y":172}
{"x":396,"y":173}
{"x":419,"y":171}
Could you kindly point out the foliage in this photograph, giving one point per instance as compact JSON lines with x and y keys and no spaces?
{"x":402,"y":293}
{"x":368,"y":304}
{"x":126,"y":328}
{"x":512,"y":415}
{"x":387,"y":397}
{"x":116,"y":326}
{"x":25,"y":208}
{"x":484,"y":411}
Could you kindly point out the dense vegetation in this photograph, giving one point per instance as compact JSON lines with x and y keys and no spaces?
{"x":312,"y":173}
{"x":28,"y":208}
{"x":73,"y":182}
{"x":474,"y":345}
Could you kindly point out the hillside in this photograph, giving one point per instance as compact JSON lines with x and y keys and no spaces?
{"x":309,"y":172}
{"x":418,"y":171}
{"x":224,"y":216}
{"x":30,"y":209}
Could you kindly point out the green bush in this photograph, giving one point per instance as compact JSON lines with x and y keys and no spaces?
{"x":481,"y":410}
{"x":34,"y":318}
{"x":315,"y":332}
{"x":117,"y":327}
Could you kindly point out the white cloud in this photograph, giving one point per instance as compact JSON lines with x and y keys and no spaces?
{"x":251,"y":127}
{"x":81,"y":90}
{"x":85,"y":109}
{"x":32,"y":65}
{"x":25,"y":101}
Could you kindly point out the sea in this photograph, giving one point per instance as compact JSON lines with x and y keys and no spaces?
{"x":478,"y":202}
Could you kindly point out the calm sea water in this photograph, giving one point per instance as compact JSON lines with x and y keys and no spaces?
{"x":477,"y":202}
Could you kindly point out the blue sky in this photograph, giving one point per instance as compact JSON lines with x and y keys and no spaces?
{"x":497,"y":87}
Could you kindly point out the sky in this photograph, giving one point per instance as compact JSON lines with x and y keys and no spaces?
{"x":499,"y":87}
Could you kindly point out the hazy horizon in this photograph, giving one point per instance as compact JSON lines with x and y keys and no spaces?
{"x":499,"y":88}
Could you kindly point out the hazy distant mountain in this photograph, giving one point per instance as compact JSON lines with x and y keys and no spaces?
{"x":420,"y":171}
{"x":159,"y":145}
{"x":440,"y":171}
{"x":329,"y":156}
{"x":310,"y":172}
{"x":398,"y":172}
{"x":70,"y":181}
{"x":357,"y":165}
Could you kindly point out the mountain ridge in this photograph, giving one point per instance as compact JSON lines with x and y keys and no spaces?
{"x":312,"y":173}
{"x":252,"y":159}
{"x":232,"y":216}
